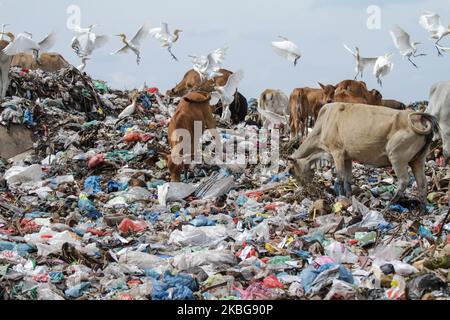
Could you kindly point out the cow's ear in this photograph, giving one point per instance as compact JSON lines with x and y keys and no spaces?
{"x":321,"y":85}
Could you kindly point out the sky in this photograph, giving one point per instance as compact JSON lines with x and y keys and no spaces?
{"x":247,"y":28}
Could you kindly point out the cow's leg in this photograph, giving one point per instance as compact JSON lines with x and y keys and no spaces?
{"x":348,"y":178}
{"x":339,"y":160}
{"x":418,"y":169}
{"x":174,"y":169}
{"x":401,"y":170}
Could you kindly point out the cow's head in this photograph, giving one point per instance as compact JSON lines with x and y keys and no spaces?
{"x":376,"y":97}
{"x":300,"y":169}
{"x":328,"y":93}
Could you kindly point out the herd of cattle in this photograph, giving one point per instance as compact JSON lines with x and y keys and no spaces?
{"x":350,"y":123}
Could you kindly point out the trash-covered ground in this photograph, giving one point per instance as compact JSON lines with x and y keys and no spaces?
{"x":89,"y":214}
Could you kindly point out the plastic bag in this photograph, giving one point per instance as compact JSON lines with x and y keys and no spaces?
{"x":174,"y":191}
{"x":201,"y":236}
{"x":203,"y":258}
{"x":339,"y":253}
{"x":341,"y":290}
{"x":17,"y":175}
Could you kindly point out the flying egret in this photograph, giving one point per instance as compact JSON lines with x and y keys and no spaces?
{"x":208,"y":66}
{"x":131,"y":109}
{"x":24,"y":44}
{"x":83,"y":64}
{"x":402,"y":41}
{"x":226,"y":94}
{"x":361,"y":62}
{"x":287,"y":49}
{"x":383,"y":66}
{"x":431,"y":22}
{"x":135,"y":43}
{"x":86,"y":41}
{"x":166,"y":39}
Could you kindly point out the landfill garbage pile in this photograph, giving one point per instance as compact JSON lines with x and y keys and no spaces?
{"x":93,"y":216}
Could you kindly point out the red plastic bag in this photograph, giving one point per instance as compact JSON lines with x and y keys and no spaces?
{"x":132,"y":137}
{"x":272,"y":282}
{"x":128,"y":225}
{"x":96,"y":160}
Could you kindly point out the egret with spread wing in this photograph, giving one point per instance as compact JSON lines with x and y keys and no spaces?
{"x":227,"y":93}
{"x":287,"y":49}
{"x":134,"y":44}
{"x":24,"y":44}
{"x":383,"y":66}
{"x":402,"y":41}
{"x":208,"y":66}
{"x":431,"y":22}
{"x":86,"y":41}
{"x":166,"y":39}
{"x":361,"y":62}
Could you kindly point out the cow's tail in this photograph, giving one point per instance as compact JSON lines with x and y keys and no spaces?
{"x":429,"y":132}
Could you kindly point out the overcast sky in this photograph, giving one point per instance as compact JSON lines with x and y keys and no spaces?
{"x":247,"y":27}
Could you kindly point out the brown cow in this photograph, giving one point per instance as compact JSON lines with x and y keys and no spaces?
{"x":305,"y":103}
{"x":351,"y":91}
{"x":49,"y":62}
{"x":393,"y":104}
{"x":194,"y":107}
{"x":193,"y":82}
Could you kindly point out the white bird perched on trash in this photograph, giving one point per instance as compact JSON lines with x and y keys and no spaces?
{"x":383,"y":66}
{"x":82,"y":66}
{"x":86,"y":41}
{"x":287,"y":49}
{"x":135,"y":43}
{"x":131,"y":109}
{"x":208,"y":66}
{"x":166,"y":39}
{"x":361,"y":62}
{"x":431,"y":22}
{"x":402,"y":41}
{"x":24,"y":44}
{"x":226,"y":94}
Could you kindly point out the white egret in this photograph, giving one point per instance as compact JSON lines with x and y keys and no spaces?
{"x":383,"y":66}
{"x":24,"y":44}
{"x":361,"y":62}
{"x":287,"y":49}
{"x":208,"y":66}
{"x":86,"y":41}
{"x":166,"y":39}
{"x":83,"y":64}
{"x":402,"y":41}
{"x":134,"y":44}
{"x":431,"y":22}
{"x":131,"y":109}
{"x":227,"y":93}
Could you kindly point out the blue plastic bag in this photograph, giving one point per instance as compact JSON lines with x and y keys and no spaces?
{"x":92,"y":185}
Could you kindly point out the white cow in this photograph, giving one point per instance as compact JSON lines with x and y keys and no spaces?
{"x":274,"y":108}
{"x":439,"y":106}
